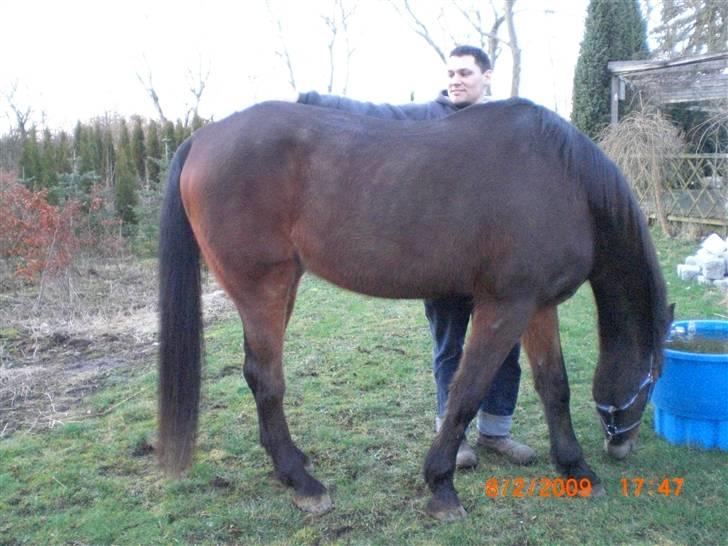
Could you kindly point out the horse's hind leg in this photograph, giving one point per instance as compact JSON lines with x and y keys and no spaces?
{"x":495,"y":329}
{"x":265,"y":306}
{"x":543,"y":346}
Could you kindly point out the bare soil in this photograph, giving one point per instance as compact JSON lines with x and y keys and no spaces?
{"x":62,"y":340}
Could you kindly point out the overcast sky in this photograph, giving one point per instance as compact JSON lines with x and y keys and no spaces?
{"x":79,"y":59}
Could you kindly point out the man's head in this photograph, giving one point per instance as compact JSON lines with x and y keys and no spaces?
{"x":469,"y":72}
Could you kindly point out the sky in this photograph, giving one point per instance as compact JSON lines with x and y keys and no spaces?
{"x":80,"y":59}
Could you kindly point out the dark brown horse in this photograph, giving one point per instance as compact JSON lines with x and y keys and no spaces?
{"x":504,"y":201}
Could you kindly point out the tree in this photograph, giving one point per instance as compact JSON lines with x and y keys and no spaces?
{"x":109,"y":154}
{"x":126,"y":195}
{"x":22,"y":113}
{"x":138,"y":149}
{"x":63,"y":153}
{"x":692,"y":27}
{"x":83,"y":150}
{"x":48,"y":176}
{"x":169,"y":140}
{"x":180,"y":132}
{"x":154,"y":152}
{"x":483,"y":31}
{"x":30,"y":165}
{"x":198,"y":84}
{"x":338,"y":25}
{"x":125,"y":180}
{"x":615,"y":30}
{"x":283,"y":52}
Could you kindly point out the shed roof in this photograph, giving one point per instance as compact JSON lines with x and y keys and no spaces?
{"x":685,"y":79}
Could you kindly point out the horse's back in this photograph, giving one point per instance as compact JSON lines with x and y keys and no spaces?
{"x":390,"y":208}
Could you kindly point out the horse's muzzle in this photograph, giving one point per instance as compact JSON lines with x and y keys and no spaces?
{"x":620,"y":448}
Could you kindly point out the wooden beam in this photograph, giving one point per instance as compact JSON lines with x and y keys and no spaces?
{"x":614,"y":103}
{"x":628,"y":67}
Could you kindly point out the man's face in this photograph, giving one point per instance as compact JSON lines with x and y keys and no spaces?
{"x":468,"y":83}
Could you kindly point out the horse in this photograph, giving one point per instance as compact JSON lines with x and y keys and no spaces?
{"x":504,"y":201}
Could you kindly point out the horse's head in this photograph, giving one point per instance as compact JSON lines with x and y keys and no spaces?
{"x":622,"y":387}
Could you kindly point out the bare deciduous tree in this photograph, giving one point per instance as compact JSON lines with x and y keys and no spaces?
{"x":515,"y":50}
{"x":419,"y":26}
{"x":282,"y":52}
{"x":21,"y":113}
{"x":338,"y":25}
{"x":148,"y":85}
{"x":198,"y":83}
{"x":482,"y":29}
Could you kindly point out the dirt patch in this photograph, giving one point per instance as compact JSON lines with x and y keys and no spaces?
{"x":60,"y":342}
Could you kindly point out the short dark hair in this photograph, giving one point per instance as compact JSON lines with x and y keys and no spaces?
{"x":480,"y":56}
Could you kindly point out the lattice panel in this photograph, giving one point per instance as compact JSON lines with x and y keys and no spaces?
{"x":694,"y":189}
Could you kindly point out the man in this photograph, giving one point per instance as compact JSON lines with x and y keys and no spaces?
{"x":469,"y":72}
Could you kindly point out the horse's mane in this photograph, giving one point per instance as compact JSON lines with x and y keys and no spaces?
{"x":621,"y":231}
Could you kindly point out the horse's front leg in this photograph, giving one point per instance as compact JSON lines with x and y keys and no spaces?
{"x":495,"y":329}
{"x":543,"y":346}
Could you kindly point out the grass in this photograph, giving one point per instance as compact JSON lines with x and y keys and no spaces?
{"x":360,"y":402}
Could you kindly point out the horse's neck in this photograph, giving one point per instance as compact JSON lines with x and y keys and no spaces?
{"x":623,"y":308}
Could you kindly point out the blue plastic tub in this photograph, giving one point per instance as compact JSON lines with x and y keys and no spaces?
{"x":691,"y":396}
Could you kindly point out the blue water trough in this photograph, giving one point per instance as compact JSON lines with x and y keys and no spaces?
{"x":691,"y":396}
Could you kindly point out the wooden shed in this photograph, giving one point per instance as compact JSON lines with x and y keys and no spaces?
{"x":696,"y":190}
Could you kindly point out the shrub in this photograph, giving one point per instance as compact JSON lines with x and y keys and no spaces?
{"x":35,"y":236}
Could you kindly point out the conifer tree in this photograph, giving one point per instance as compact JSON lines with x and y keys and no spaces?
{"x":48,"y":176}
{"x":126,"y":194}
{"x":197,"y":122}
{"x":169,"y":140}
{"x":83,"y":150}
{"x":154,"y":152}
{"x":125,"y":180}
{"x":124,"y":140}
{"x":180,"y":133}
{"x":97,"y":146}
{"x":63,"y":154}
{"x":138,"y":149}
{"x":29,"y":166}
{"x":615,"y":30}
{"x":109,"y":155}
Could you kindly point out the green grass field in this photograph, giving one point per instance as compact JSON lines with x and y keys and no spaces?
{"x":360,"y":402}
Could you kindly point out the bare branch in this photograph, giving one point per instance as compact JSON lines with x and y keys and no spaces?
{"x":22,"y":114}
{"x":333,"y":27}
{"x":345,"y":16}
{"x":283,"y":53}
{"x":515,"y":50}
{"x":148,"y":85}
{"x":488,"y":39}
{"x":419,"y":27}
{"x":198,"y":83}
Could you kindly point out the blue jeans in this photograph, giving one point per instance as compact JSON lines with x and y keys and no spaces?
{"x":448,"y":318}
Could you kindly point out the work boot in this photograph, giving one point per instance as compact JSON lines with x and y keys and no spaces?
{"x":515,"y":452}
{"x":466,"y":457}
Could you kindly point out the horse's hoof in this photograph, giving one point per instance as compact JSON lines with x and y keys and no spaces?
{"x":620,"y":451}
{"x":316,"y":505}
{"x":597,"y":491}
{"x":441,"y":512}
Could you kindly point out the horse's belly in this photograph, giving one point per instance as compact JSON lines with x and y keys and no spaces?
{"x":381,"y":270}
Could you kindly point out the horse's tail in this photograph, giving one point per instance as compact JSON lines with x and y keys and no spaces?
{"x":180,"y":335}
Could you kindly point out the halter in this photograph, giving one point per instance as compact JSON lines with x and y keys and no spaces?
{"x":610,"y":428}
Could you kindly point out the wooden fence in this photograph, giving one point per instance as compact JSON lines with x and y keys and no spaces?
{"x":694,"y":189}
